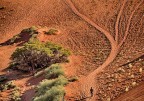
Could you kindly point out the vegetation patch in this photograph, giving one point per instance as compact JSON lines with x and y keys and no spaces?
{"x":52,"y":89}
{"x":54,"y":71}
{"x":7,"y":86}
{"x":54,"y":94}
{"x":51,"y":32}
{"x":72,"y":79}
{"x":16,"y":95}
{"x":35,"y":54}
{"x":24,"y":36}
{"x":15,"y":90}
{"x":14,"y":38}
{"x":30,"y":30}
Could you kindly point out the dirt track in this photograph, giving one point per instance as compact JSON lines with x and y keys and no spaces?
{"x":115,"y":46}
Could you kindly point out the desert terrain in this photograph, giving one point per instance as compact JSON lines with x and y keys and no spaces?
{"x":105,"y":37}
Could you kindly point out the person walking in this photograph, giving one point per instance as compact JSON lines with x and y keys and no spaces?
{"x":91,"y":91}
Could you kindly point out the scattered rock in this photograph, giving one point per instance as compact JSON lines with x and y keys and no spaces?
{"x":140,"y":59}
{"x":108,"y":99}
{"x":127,"y":89}
{"x":110,"y":85}
{"x":134,"y":84}
{"x":120,"y":70}
{"x":116,"y":76}
{"x":130,"y":65}
{"x":112,"y":80}
{"x":132,"y":76}
{"x":140,"y":70}
{"x":28,"y":84}
{"x":109,"y":88}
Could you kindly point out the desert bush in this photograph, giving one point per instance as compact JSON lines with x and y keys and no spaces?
{"x":31,"y":30}
{"x":51,"y":32}
{"x":54,"y":94}
{"x":51,"y":90}
{"x":61,"y":80}
{"x":72,"y":79}
{"x":48,"y":84}
{"x":54,"y":71}
{"x":44,"y":86}
{"x":35,"y":54}
{"x":3,"y":87}
{"x":8,"y":85}
{"x":15,"y":95}
{"x":28,"y":60}
{"x":12,"y":40}
{"x":11,"y":84}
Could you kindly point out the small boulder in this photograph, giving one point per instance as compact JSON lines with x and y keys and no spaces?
{"x":130,"y":65}
{"x":127,"y":89}
{"x":140,"y":70}
{"x":134,"y":83}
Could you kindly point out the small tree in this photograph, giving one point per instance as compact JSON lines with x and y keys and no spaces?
{"x":36,"y":54}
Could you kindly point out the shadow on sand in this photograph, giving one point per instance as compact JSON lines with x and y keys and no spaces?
{"x":19,"y":39}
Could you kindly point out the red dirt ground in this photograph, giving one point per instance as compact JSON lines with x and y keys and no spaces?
{"x":101,"y":34}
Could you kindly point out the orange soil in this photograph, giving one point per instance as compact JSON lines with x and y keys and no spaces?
{"x":90,"y":47}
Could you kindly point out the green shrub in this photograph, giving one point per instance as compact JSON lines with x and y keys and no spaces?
{"x":54,"y":71}
{"x":61,"y":80}
{"x":44,"y":86}
{"x":32,"y":30}
{"x":4,"y":87}
{"x":15,"y":95}
{"x":72,"y":79}
{"x":57,"y":49}
{"x":51,"y":32}
{"x":54,"y":94}
{"x":34,"y":36}
{"x":8,"y":85}
{"x":51,"y":90}
{"x":48,"y":84}
{"x":11,"y":84}
{"x":36,"y":54}
{"x":14,"y":38}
